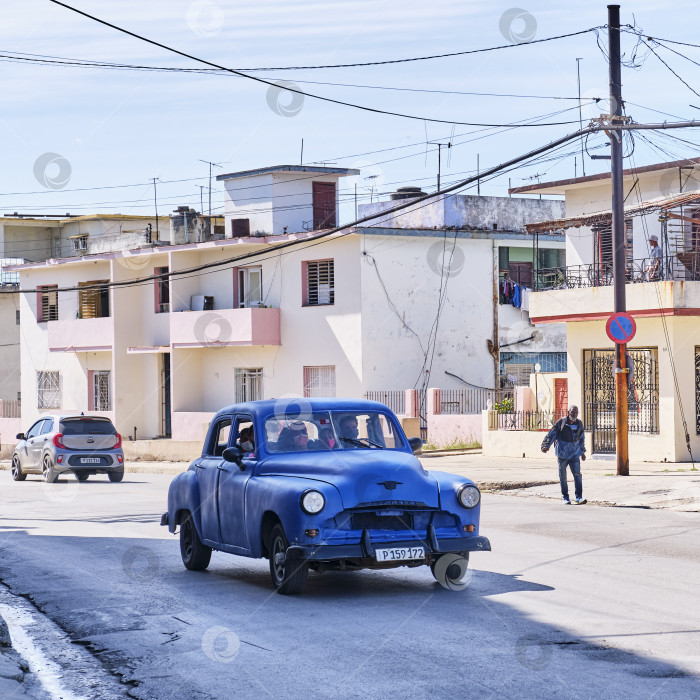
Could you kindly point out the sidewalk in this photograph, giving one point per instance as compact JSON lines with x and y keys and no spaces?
{"x":671,"y":485}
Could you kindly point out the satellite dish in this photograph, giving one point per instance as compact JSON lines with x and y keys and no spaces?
{"x":538,"y":367}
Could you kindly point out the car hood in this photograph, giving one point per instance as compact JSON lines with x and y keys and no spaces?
{"x":361,"y":476}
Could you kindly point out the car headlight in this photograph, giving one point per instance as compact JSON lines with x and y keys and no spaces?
{"x":468,"y":496}
{"x":312,"y":502}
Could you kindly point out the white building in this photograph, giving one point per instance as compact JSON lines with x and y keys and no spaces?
{"x":371,"y":308}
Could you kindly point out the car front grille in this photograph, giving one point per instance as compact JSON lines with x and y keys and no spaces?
{"x":375,"y":521}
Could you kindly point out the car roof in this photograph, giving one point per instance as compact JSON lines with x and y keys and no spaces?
{"x":61,"y":416}
{"x":300,"y":406}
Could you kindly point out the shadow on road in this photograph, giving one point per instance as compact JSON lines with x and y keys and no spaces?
{"x":178,"y":633}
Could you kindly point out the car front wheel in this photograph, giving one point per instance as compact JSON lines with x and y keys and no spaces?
{"x":47,"y":470}
{"x":195,"y":555}
{"x":80,"y":476}
{"x":288,"y":577}
{"x":17,"y":474}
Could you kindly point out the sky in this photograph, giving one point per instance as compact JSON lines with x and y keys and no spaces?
{"x":90,"y":140}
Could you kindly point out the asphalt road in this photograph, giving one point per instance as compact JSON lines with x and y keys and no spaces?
{"x":577,"y":601}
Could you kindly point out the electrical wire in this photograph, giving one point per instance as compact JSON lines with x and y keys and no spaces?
{"x":287,"y":87}
{"x":343,"y":230}
{"x":101,"y":64}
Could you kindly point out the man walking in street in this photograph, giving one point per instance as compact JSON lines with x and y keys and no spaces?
{"x":569,"y":447}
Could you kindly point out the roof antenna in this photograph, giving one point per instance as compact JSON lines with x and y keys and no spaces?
{"x":301,"y":160}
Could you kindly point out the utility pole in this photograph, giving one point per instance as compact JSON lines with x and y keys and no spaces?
{"x":215,"y":165}
{"x":155,"y":201}
{"x":618,"y":236}
{"x":580,"y":116}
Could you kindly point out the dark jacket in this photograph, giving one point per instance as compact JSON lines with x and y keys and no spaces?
{"x":568,"y":439}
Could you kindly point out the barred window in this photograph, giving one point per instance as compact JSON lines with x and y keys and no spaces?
{"x":248,"y":385}
{"x":318,"y":283}
{"x":101,"y":392}
{"x":319,"y":381}
{"x":94,"y":302}
{"x":47,"y":303}
{"x":48,"y":389}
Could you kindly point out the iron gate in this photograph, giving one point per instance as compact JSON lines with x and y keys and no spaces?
{"x":599,"y":395}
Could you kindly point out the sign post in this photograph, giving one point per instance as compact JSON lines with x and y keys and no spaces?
{"x":621,"y":328}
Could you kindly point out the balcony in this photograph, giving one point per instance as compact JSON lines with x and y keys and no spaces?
{"x":81,"y":335}
{"x":656,"y":298}
{"x":224,"y":328}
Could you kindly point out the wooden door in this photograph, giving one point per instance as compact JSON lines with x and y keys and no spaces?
{"x":561,"y":397}
{"x":324,"y":205}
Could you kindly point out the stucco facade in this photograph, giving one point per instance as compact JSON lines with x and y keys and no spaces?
{"x":667,"y":313}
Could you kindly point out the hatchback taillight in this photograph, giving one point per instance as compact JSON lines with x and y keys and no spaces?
{"x":118,"y":442}
{"x":58,"y":440}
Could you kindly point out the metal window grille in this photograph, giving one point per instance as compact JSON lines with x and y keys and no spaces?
{"x":320,"y":282}
{"x":249,"y":385}
{"x":48,"y":389}
{"x":49,"y":304}
{"x":319,"y":381}
{"x":548,"y":361}
{"x":101,"y":392}
{"x":9,"y":277}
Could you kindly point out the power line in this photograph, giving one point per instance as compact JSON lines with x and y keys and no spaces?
{"x":79,"y":63}
{"x":344,"y":230}
{"x":288,"y":87}
{"x":101,"y":64}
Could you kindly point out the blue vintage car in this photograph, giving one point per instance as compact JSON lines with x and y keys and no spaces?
{"x":321,"y":484}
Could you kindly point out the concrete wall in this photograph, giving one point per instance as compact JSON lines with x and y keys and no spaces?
{"x":467,"y":211}
{"x":10,"y":382}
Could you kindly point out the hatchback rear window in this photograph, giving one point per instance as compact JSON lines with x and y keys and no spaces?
{"x":87,"y":426}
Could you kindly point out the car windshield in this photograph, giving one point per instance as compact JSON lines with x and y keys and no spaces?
{"x":332,"y":430}
{"x":87,"y":426}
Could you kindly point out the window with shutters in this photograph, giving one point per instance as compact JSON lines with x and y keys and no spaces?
{"x":48,"y":389}
{"x":47,"y":303}
{"x":248,"y":384}
{"x":249,"y":287}
{"x":93,"y":302}
{"x":318,"y":283}
{"x":101,"y":393}
{"x":319,"y":381}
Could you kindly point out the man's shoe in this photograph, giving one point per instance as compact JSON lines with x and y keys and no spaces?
{"x":581,"y":501}
{"x":567,"y":502}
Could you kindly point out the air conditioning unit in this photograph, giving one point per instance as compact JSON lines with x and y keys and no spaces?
{"x":201,"y":303}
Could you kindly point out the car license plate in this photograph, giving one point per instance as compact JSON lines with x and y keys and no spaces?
{"x":89,"y":460}
{"x":399,"y":553}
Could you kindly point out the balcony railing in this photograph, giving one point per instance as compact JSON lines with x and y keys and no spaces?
{"x":682,"y":266}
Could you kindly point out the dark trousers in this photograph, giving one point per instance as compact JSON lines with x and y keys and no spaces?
{"x":575,"y":465}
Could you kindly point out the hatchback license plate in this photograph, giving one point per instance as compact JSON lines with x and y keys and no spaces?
{"x":90,"y":460}
{"x":400,"y":553}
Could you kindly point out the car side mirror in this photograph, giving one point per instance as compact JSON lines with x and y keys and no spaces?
{"x":416,"y":444}
{"x":234,"y":454}
{"x":20,"y":436}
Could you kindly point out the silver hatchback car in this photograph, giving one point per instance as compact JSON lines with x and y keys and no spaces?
{"x":58,"y":444}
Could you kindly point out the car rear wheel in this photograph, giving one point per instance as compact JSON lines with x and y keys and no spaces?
{"x":47,"y":470}
{"x":195,"y":555}
{"x":81,"y":476}
{"x":17,"y":474}
{"x":288,"y":577}
{"x":116,"y":476}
